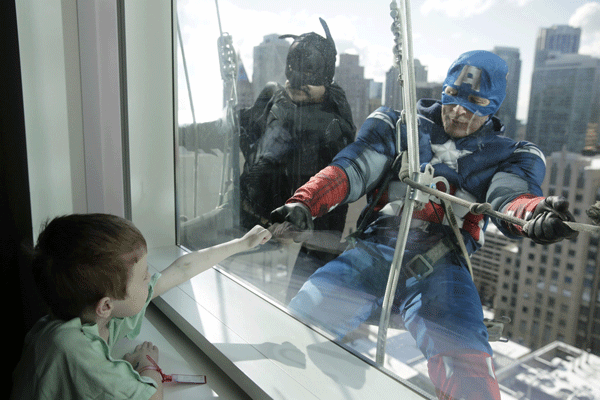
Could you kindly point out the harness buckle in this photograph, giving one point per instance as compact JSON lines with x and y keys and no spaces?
{"x":419,"y":271}
{"x":422,"y":265}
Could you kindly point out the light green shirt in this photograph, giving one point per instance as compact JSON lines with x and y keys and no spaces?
{"x":69,"y":360}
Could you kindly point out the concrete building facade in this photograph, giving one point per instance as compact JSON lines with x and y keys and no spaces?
{"x":551,"y":292}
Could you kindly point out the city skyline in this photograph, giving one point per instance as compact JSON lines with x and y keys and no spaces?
{"x":364,"y":29}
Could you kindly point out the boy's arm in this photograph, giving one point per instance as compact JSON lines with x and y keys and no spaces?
{"x":189,"y":265}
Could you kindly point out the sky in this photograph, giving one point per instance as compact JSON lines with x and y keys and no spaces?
{"x":441,"y":29}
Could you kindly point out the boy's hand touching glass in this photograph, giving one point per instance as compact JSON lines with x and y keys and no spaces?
{"x":255,"y":236}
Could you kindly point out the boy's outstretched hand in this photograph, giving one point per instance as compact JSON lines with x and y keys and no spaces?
{"x":189,"y":265}
{"x":255,"y":236}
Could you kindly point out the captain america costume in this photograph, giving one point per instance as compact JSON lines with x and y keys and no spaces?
{"x":442,"y":311}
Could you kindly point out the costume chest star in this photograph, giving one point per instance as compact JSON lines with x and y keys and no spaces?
{"x":448,"y":154}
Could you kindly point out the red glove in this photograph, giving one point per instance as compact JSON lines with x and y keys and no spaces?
{"x":545,"y":216}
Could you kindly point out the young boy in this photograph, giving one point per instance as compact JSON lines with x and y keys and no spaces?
{"x":92,"y":272}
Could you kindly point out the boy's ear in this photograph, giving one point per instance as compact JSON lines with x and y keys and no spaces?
{"x":104,"y":307}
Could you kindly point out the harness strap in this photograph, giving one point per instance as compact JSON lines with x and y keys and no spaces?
{"x":459,"y":238}
{"x":423,"y":265}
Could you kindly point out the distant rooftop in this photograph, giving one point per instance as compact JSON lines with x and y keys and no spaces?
{"x":556,"y":371}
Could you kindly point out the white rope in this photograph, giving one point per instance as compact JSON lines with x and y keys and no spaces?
{"x":403,"y":52}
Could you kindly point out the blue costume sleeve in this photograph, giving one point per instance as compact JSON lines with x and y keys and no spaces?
{"x":366,"y":160}
{"x":522,"y":173}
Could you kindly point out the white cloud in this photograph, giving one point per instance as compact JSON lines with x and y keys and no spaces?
{"x":200,"y":30}
{"x":587,"y":17}
{"x":520,"y":3}
{"x":437,"y":67}
{"x":459,"y":9}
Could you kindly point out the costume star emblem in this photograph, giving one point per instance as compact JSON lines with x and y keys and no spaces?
{"x":448,"y":154}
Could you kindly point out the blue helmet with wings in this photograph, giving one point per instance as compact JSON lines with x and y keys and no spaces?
{"x":476,"y":74}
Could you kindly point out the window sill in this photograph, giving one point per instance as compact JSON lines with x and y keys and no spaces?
{"x":268,"y":353}
{"x":178,"y":355}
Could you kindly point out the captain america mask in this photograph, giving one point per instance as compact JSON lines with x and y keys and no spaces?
{"x":477,"y":82}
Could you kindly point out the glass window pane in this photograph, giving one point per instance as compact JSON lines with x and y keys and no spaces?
{"x":245,"y":144}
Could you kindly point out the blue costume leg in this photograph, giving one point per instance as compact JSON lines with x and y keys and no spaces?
{"x":443,"y":312}
{"x":444,"y":315}
{"x":344,"y":292}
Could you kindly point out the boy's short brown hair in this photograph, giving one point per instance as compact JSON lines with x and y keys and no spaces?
{"x":81,"y":258}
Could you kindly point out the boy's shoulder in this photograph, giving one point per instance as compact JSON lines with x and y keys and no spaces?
{"x":54,"y":342}
{"x":54,"y":349}
{"x":57,"y":332}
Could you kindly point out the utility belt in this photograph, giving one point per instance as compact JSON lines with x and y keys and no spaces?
{"x":422,"y":236}
{"x":423,"y":265}
{"x":394,"y":207}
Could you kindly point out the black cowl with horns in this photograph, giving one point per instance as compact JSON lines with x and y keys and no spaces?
{"x":311,"y":59}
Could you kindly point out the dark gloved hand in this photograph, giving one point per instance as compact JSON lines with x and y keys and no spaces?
{"x":546,"y":224}
{"x":294,"y":221}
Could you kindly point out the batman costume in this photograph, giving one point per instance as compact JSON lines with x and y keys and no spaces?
{"x":286,"y":141}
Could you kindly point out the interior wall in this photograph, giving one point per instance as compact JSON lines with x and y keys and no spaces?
{"x":15,"y":215}
{"x":48,"y":48}
{"x":149,"y":47}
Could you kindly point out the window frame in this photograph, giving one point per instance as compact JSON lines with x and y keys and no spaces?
{"x":214,"y":310}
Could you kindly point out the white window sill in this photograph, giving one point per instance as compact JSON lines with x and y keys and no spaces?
{"x":178,"y":355}
{"x":265,"y":351}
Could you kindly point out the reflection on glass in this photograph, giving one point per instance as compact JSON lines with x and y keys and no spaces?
{"x":259,"y":114}
{"x":284,"y":131}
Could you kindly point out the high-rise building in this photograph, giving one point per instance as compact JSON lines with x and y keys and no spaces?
{"x":245,"y":92}
{"x":558,"y":39}
{"x":392,"y":95}
{"x":351,"y":77}
{"x":269,"y":62}
{"x":508,"y":111}
{"x":393,"y":90}
{"x":591,"y":139}
{"x":497,"y":252}
{"x":429,"y":90}
{"x":564,"y":100}
{"x":375,"y":94}
{"x":552,"y":292}
{"x":420,"y":71}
